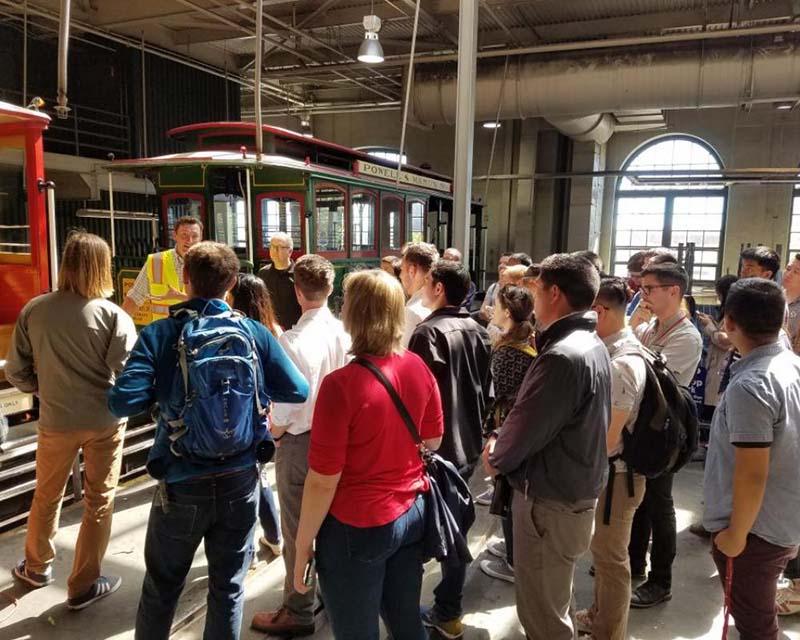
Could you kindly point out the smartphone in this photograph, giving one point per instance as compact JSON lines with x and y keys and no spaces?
{"x":308,"y":574}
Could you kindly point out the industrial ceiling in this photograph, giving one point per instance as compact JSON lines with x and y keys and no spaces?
{"x":309,"y":63}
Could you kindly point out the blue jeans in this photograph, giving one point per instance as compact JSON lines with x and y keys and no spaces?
{"x":267,"y":511}
{"x":219,"y":511}
{"x":369,"y":572}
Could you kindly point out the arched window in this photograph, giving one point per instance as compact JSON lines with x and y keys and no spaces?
{"x":794,"y":229}
{"x":668,"y":215}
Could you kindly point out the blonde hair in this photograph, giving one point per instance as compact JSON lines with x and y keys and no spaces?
{"x":86,"y":266}
{"x":374,"y":312}
{"x":513,"y":275}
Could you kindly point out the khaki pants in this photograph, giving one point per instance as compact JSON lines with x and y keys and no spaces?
{"x":55,"y":453}
{"x":549,"y":537}
{"x":612,"y":580}
{"x":291,"y":469}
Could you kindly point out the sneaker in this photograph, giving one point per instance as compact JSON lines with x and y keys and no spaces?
{"x":275,"y":547}
{"x":498,"y":549}
{"x":583,"y":618}
{"x":282,"y":623}
{"x":35,"y":580}
{"x":788,"y":598}
{"x":699,"y":530}
{"x":450,"y":629}
{"x":499,"y":569}
{"x":485,"y":499}
{"x":102,"y":587}
{"x":649,"y":594}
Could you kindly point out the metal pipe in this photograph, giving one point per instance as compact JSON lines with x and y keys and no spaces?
{"x":494,"y":133}
{"x":144,"y":99}
{"x":257,"y":93}
{"x":111,"y":209}
{"x":52,"y":233}
{"x":250,"y":215}
{"x":409,"y":81}
{"x":448,"y":56}
{"x":62,"y":110}
{"x":791,"y":174}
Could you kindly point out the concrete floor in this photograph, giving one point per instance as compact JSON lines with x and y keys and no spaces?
{"x":694,"y":612}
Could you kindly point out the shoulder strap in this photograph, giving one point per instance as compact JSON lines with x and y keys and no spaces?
{"x":401,"y":408}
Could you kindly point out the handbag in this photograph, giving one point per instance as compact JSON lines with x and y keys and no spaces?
{"x":449,"y":509}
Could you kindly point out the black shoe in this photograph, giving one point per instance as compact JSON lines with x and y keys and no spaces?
{"x":591,"y":571}
{"x":102,"y":587}
{"x":649,"y":594}
{"x":699,"y":530}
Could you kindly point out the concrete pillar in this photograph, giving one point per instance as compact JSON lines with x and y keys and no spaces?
{"x":465,"y":123}
{"x":586,"y":198}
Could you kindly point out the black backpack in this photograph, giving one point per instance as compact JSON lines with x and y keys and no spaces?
{"x":665,"y":433}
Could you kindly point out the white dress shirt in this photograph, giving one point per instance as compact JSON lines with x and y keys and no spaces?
{"x":416,"y":312}
{"x":318,"y":345}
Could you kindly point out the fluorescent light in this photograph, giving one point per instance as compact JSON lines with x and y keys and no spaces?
{"x":784,"y":106}
{"x":492,"y":125}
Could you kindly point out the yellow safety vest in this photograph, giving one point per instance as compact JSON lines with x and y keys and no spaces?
{"x":161,"y":274}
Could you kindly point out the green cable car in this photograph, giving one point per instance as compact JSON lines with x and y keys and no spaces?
{"x":338,"y":202}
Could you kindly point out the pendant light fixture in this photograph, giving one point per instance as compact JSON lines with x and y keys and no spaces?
{"x":370,"y":50}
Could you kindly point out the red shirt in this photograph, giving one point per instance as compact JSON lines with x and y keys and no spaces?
{"x":358,"y":431}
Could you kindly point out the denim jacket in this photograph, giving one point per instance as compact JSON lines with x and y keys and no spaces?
{"x":152,"y":370}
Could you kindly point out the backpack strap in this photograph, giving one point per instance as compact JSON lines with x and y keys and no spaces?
{"x":612,"y":472}
{"x":398,"y":402}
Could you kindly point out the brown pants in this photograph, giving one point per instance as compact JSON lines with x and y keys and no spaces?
{"x":291,"y":469}
{"x":55,"y":452}
{"x":612,"y":580}
{"x":549,"y":537}
{"x":755,"y":582}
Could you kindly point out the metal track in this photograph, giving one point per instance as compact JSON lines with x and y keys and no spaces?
{"x":18,"y":467}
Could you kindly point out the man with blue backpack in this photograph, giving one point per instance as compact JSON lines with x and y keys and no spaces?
{"x":212,"y":373}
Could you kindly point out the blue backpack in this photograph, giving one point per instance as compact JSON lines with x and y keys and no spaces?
{"x":216,"y":406}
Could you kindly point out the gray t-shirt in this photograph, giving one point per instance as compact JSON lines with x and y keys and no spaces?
{"x":68,"y":350}
{"x":761,"y":405}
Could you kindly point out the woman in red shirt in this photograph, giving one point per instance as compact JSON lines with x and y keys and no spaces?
{"x":362,"y":499}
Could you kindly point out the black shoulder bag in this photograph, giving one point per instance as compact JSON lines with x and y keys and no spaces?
{"x":449,"y":510}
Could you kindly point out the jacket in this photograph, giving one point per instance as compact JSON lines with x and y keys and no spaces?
{"x":152,"y":370}
{"x":280,"y":284}
{"x":553,"y":441}
{"x":457,"y":351}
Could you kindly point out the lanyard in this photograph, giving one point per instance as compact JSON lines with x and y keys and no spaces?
{"x":658,"y":338}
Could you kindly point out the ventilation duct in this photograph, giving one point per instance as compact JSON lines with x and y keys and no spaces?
{"x":564,"y":91}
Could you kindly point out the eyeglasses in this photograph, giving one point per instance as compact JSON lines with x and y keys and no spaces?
{"x":648,"y":288}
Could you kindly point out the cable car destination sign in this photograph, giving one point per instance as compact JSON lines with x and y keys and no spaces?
{"x":387,"y":173}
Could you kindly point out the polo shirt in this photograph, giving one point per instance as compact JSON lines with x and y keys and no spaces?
{"x":761,"y":406}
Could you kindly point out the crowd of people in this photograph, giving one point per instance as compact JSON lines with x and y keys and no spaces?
{"x":543,"y":385}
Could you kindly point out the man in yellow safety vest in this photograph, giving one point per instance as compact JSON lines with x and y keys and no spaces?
{"x":160,"y":282}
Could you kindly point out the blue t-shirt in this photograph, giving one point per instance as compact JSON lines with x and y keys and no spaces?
{"x":761,"y":405}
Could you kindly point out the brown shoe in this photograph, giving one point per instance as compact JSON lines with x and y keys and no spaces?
{"x":281,"y":623}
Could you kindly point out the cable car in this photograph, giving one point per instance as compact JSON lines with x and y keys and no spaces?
{"x":338,"y":202}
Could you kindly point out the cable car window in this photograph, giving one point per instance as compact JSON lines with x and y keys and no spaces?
{"x":230,"y":220}
{"x":391,"y":223}
{"x":362,"y":222}
{"x":329,"y":203}
{"x":280,"y":213}
{"x":416,"y":220}
{"x":14,"y":223}
{"x":178,"y":207}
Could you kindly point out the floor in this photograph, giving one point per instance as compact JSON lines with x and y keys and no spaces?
{"x":695,"y":611}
